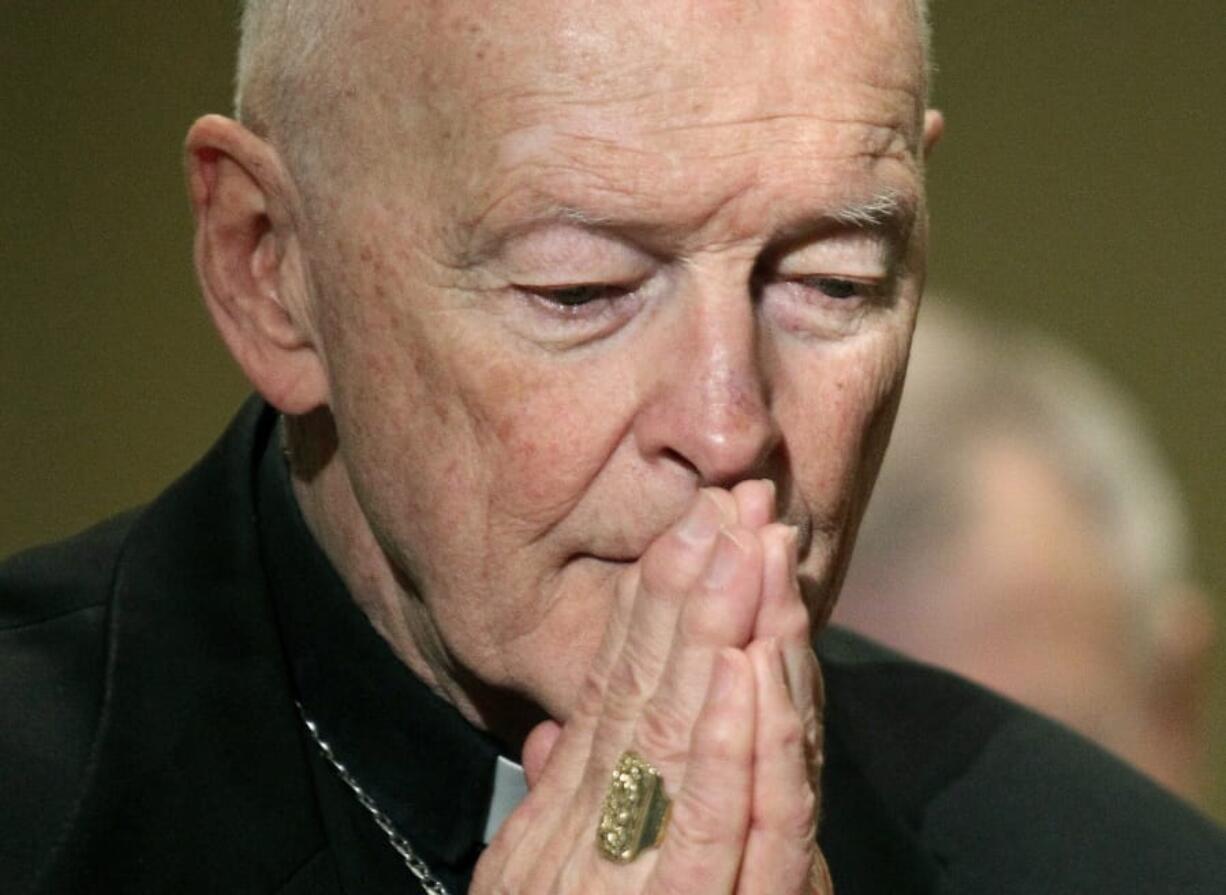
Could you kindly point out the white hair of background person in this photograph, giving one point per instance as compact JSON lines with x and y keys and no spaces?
{"x":965,"y":381}
{"x":1026,"y":532}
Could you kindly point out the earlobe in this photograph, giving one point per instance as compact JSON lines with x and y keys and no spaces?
{"x":934,"y":128}
{"x":248,"y":262}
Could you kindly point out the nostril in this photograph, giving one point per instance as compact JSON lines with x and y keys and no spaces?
{"x":670,"y":455}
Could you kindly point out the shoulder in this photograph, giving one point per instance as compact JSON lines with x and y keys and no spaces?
{"x":53,"y":623}
{"x":95,"y":623}
{"x":1005,"y":800}
{"x":54,"y":580}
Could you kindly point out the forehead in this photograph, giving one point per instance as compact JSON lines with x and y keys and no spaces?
{"x":586,"y":44}
{"x":629,"y":98}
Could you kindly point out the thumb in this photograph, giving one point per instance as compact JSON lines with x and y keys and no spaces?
{"x":538,"y":746}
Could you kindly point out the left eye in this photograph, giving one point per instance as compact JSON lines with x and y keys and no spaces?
{"x":580,"y":294}
{"x":838,"y":288}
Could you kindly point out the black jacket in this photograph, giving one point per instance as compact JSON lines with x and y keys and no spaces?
{"x":149,"y":742}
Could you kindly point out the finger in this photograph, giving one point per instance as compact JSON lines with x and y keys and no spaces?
{"x":783,"y":614}
{"x":755,"y":501}
{"x":719,"y":613}
{"x":810,"y":704}
{"x":568,"y":770}
{"x":784,"y":617}
{"x":783,"y":822}
{"x":820,"y":882}
{"x":670,"y":562}
{"x":602,"y":724}
{"x":555,"y":766}
{"x":670,"y":569}
{"x":538,"y":747}
{"x":651,"y":596}
{"x":703,"y":842}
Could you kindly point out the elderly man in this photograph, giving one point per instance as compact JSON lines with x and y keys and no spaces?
{"x":578,"y":330}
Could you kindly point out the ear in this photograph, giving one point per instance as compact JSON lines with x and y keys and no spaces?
{"x":1185,"y":637}
{"x":934,"y":128}
{"x":249,"y":262}
{"x":1180,"y":693}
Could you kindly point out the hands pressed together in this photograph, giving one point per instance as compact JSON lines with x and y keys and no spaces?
{"x":707,"y":672}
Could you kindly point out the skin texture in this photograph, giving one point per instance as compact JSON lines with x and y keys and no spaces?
{"x":531,"y":451}
{"x":575,"y":271}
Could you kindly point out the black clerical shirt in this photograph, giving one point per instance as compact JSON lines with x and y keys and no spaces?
{"x":427,"y":768}
{"x":149,"y":741}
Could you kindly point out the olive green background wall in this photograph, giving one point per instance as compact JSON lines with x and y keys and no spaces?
{"x":1080,"y":187}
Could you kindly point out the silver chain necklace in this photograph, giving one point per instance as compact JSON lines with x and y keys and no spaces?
{"x":411,"y":859}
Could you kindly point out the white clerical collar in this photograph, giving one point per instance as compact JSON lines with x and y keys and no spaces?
{"x":510,"y":787}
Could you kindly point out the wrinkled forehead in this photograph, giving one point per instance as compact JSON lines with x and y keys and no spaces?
{"x":499,"y":58}
{"x":474,"y":105}
{"x":593,"y":43}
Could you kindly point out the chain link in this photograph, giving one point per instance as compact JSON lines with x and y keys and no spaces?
{"x":411,"y":859}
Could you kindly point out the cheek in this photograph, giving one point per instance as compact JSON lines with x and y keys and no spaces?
{"x":838,"y":419}
{"x":549,"y":430}
{"x":836,"y":427}
{"x":405,"y":440}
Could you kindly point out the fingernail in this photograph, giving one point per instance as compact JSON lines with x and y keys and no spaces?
{"x":793,"y":539}
{"x":701,"y":523}
{"x":723,"y":562}
{"x":797,"y":666}
{"x":772,"y":491}
{"x":778,"y":669}
{"x":723,"y":677}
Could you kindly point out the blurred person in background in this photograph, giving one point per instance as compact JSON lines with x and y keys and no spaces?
{"x":1026,"y":533}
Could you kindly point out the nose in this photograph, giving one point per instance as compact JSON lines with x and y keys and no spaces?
{"x":707,"y":406}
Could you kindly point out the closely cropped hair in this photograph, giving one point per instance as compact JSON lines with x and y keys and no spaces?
{"x":280,"y":49}
{"x":283,"y":42}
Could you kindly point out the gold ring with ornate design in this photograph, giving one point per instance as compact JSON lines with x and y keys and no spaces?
{"x":635,"y":811}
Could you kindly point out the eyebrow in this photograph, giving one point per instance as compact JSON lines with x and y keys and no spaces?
{"x":882,"y":210}
{"x":888,"y":213}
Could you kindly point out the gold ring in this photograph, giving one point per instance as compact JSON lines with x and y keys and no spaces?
{"x":635,"y":810}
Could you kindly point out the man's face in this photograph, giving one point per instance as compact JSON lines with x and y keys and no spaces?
{"x":575,"y":260}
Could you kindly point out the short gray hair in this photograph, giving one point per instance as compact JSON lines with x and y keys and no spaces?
{"x":282,"y":43}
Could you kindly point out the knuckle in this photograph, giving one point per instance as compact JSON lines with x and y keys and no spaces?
{"x":516,"y":827}
{"x":630,"y":687}
{"x":628,"y":584}
{"x":662,"y":735}
{"x":668,"y":569}
{"x":795,"y":622}
{"x":628,"y":587}
{"x":686,"y":878}
{"x":789,"y":734}
{"x":796,"y":820}
{"x":699,"y":824}
{"x":812,"y":733}
{"x":590,"y":697}
{"x":490,"y":877}
{"x":721,"y":741}
{"x":704,"y":621}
